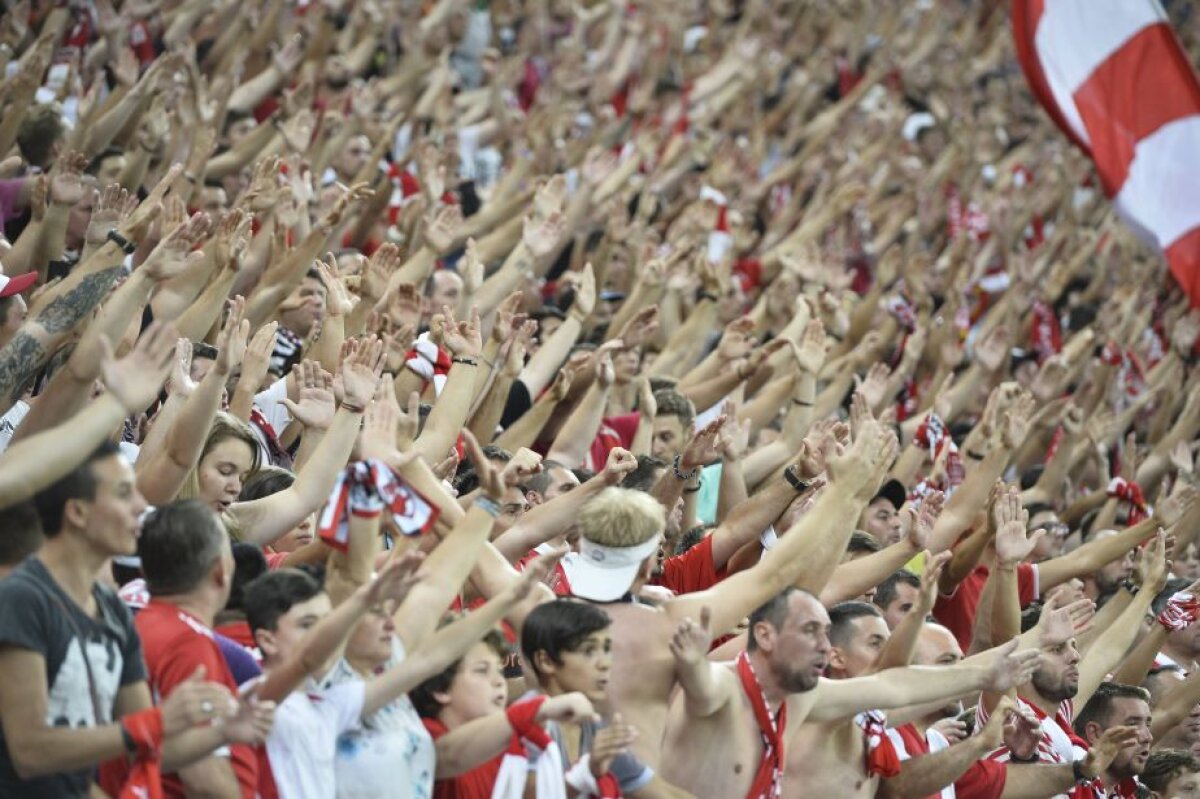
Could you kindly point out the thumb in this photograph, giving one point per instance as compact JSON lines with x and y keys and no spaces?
{"x":1034,"y":537}
{"x":291,"y":406}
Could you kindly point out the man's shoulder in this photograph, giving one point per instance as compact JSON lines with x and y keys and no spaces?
{"x":28,"y":581}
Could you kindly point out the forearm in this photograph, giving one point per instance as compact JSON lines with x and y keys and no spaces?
{"x":24,"y":469}
{"x":487,"y":415}
{"x":449,"y":413}
{"x":472,"y":744}
{"x":929,"y":774}
{"x":731,"y":491}
{"x":189,"y":746}
{"x":775,"y":395}
{"x":542,"y":523}
{"x":708,"y":393}
{"x":317,"y":648}
{"x":327,"y":348}
{"x":968,"y":500}
{"x":163,"y":476}
{"x":1175,"y":706}
{"x":1037,"y":781}
{"x":856,"y":577}
{"x":1140,"y":660}
{"x":199,"y":317}
{"x":255,"y":90}
{"x":1006,"y":604}
{"x":525,"y":430}
{"x":575,"y":438}
{"x":353,"y":567}
{"x":550,"y":357}
{"x":48,"y":750}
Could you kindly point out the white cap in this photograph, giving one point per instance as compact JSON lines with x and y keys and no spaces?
{"x":601,"y":573}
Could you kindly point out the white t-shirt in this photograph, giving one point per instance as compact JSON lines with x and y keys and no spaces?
{"x":269,"y":403}
{"x":303,"y":740}
{"x":10,"y":420}
{"x":390,"y":754}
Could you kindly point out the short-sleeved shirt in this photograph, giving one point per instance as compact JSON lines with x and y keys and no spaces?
{"x":690,"y":572}
{"x":615,"y":431}
{"x":984,"y":779}
{"x":389,"y":754}
{"x":40,"y":617}
{"x":302,"y":745}
{"x":175,"y":644}
{"x":957,"y":611}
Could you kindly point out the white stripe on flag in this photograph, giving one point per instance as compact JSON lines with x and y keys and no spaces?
{"x":1159,"y":195}
{"x":1076,"y":36}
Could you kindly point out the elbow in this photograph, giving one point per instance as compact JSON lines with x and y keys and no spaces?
{"x":29,"y":758}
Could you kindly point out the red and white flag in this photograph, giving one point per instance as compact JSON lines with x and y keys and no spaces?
{"x":1113,"y":76}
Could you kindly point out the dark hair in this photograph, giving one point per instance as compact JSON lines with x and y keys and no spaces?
{"x":249,"y":564}
{"x":266,"y":481}
{"x":671,"y":403}
{"x":885,"y":594}
{"x":79,"y":483}
{"x":271,"y":596}
{"x":862,"y":542}
{"x":1165,"y":765}
{"x":774,"y":611}
{"x":204,"y":350}
{"x":1031,"y":614}
{"x":178,"y":546}
{"x":541,"y":481}
{"x":1099,"y":707}
{"x":41,"y":129}
{"x":558,"y":627}
{"x":467,"y":479}
{"x":423,"y":696}
{"x":105,"y":154}
{"x":20,"y":533}
{"x":644,"y":476}
{"x":1034,"y":508}
{"x":844,"y":614}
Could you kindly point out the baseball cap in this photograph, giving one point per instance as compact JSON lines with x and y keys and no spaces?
{"x":15,"y":285}
{"x":601,"y":573}
{"x":894,"y":492}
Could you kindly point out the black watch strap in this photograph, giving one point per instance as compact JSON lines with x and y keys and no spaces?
{"x":793,"y":477}
{"x":125,"y":244}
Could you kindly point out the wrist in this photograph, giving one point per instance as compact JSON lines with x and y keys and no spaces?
{"x":351,"y":405}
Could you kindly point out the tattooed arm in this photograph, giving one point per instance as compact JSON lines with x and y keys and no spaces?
{"x":46,"y":328}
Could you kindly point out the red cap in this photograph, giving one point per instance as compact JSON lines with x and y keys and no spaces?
{"x":15,"y":285}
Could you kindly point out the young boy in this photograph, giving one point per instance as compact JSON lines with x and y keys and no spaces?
{"x":568,"y":647}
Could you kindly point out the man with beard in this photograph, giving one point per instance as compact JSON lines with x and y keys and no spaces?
{"x":732,"y":732}
{"x":1066,"y":679}
{"x":1112,"y":705}
{"x":931,"y":764}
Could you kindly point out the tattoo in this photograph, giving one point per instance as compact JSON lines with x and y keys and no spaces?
{"x":64,"y":312}
{"x":19,"y":361}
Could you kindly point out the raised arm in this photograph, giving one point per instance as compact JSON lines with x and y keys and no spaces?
{"x":807,"y":555}
{"x":995,"y":670}
{"x":707,"y":686}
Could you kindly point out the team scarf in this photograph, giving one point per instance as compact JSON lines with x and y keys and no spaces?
{"x":139,"y":776}
{"x":1131,"y":376}
{"x":429,"y":361}
{"x":1130,"y":492}
{"x":1181,"y":612}
{"x":768,"y":780}
{"x":278,"y":455}
{"x":366,"y":489}
{"x":552,"y":783}
{"x":934,"y":436}
{"x":882,"y":758}
{"x":1095,"y":789}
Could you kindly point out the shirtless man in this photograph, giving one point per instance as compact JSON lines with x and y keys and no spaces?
{"x":715,"y":736}
{"x":619,"y":532}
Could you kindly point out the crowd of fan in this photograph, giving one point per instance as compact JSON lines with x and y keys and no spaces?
{"x":492,"y":398}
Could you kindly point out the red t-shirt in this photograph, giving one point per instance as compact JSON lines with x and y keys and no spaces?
{"x":957,"y":611}
{"x":474,"y":784}
{"x":557,"y":583}
{"x":275,"y":559}
{"x":615,"y":431}
{"x":175,"y":643}
{"x":983,"y":780}
{"x":690,"y":572}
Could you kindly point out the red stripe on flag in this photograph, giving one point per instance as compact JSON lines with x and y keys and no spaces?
{"x":1118,"y":109}
{"x":1184,"y":258}
{"x":1026,"y":14}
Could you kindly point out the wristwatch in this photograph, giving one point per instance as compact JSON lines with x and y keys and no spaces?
{"x":792,"y":476}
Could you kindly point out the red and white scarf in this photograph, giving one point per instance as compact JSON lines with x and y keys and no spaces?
{"x":882,"y":758}
{"x":551,"y":781}
{"x":1181,"y":612}
{"x":1130,"y":492}
{"x":768,"y":780}
{"x":365,"y":489}
{"x":429,"y":361}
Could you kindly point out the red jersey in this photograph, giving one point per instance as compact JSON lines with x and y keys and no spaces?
{"x":615,"y":431}
{"x":557,"y":581}
{"x":474,"y":784}
{"x":175,"y":643}
{"x":957,"y":611}
{"x":690,"y":572}
{"x":984,"y":779}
